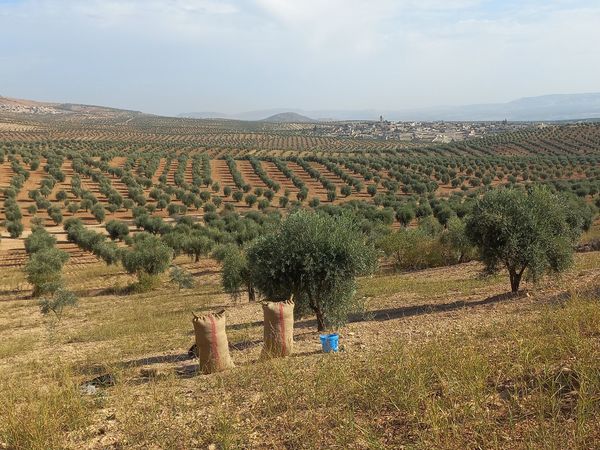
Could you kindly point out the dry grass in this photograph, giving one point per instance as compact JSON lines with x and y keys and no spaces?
{"x":486,"y":372}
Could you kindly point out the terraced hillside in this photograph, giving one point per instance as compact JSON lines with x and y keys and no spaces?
{"x":99,"y":168}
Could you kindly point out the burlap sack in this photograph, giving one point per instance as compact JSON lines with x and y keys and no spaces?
{"x":211,"y":342}
{"x":278,"y":329}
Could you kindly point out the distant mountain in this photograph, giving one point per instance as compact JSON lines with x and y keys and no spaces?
{"x":288,"y":117}
{"x":543,"y":108}
{"x":20,"y":106}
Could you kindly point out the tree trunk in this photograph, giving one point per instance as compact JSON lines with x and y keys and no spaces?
{"x":318,"y":312}
{"x":515,"y":280}
{"x":197,"y":257}
{"x":320,"y":319}
{"x":251,"y":293}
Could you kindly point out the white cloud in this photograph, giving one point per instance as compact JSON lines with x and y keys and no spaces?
{"x":358,"y":25}
{"x":248,"y":54}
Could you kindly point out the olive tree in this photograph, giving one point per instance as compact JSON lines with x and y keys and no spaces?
{"x":39,"y":239}
{"x":117,"y":229}
{"x":181,"y":278}
{"x":456,"y":238}
{"x":316,"y":258}
{"x":57,"y":303}
{"x":196,"y":245}
{"x":15,"y":228}
{"x":44,"y":270}
{"x":148,"y":258}
{"x":520,"y":230}
{"x":98,"y":212}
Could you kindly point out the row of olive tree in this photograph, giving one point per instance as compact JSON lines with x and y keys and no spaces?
{"x":315,"y":257}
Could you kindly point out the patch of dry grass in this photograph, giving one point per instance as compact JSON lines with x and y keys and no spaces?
{"x":520,"y":376}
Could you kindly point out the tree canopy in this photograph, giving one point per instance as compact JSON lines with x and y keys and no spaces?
{"x":315,"y":257}
{"x":533,"y":231}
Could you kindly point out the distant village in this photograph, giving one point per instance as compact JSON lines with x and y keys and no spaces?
{"x":440,"y":132}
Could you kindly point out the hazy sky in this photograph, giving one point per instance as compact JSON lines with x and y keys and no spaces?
{"x":172,"y":56}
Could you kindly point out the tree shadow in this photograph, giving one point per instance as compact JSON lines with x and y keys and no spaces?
{"x":119,"y":291}
{"x":306,"y":353}
{"x":204,"y":294}
{"x":431,"y":308}
{"x":10,"y":296}
{"x":159,"y":359}
{"x":243,"y":345}
{"x":200,"y":273}
{"x":187,"y":371}
{"x":417,"y":310}
{"x":244,"y":326}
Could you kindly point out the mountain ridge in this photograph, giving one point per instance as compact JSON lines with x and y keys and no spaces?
{"x":550,"y":107}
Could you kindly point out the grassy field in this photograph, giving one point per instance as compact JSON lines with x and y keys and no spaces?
{"x":441,"y":358}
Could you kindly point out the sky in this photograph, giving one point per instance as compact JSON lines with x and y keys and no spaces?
{"x":174,"y":56}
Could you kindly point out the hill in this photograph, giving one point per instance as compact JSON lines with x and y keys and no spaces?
{"x":546,"y":107}
{"x":263,"y":115}
{"x":21,"y":106}
{"x":288,"y":117}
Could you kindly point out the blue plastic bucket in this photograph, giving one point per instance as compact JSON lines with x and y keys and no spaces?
{"x":329,"y":342}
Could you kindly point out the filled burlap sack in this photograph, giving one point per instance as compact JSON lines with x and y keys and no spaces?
{"x":211,"y":342}
{"x":278,"y":329}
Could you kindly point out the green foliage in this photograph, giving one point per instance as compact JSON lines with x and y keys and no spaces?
{"x":149,"y":255}
{"x":98,"y":212}
{"x":250,"y":199}
{"x":580,"y":214}
{"x":455,"y":237}
{"x":44,"y":270}
{"x":533,"y":230}
{"x":61,"y":196}
{"x":73,"y":207}
{"x":55,"y":214}
{"x":236,"y":273}
{"x":181,"y":278}
{"x":411,"y":249}
{"x":283,"y":201}
{"x":315,"y":257}
{"x":430,"y":226}
{"x":91,"y":241}
{"x":197,"y":244}
{"x":117,"y":229}
{"x":39,"y":239}
{"x":428,"y":245}
{"x":15,"y":228}
{"x":314,"y":202}
{"x":57,"y":303}
{"x":405,"y":215}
